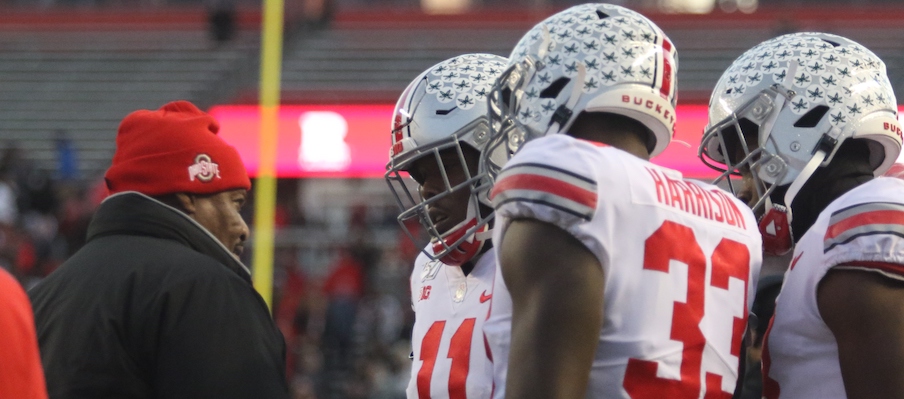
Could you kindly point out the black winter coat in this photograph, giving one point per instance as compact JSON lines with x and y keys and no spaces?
{"x":153,"y":306}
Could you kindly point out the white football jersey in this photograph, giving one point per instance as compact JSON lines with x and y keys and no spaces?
{"x":680,"y":260}
{"x":864,"y":230}
{"x":450,"y":359}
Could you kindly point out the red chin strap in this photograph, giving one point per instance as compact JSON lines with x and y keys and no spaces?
{"x":775,"y":226}
{"x":465,"y":251}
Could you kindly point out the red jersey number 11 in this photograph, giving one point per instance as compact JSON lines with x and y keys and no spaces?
{"x":459,"y":352}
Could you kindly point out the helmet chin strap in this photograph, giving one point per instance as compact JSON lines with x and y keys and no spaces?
{"x":475,"y":235}
{"x":826,"y":145}
{"x":802,"y":178}
{"x":775,"y":225}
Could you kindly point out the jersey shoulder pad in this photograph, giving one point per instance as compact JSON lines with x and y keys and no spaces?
{"x":867,"y":232}
{"x":554,"y":172}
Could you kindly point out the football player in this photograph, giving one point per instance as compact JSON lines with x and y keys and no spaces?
{"x":809,"y":120}
{"x":617,"y":278}
{"x":438,"y":125}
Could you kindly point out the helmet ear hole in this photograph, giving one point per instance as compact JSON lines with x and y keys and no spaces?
{"x":812,"y":117}
{"x":555,"y":88}
{"x":506,"y":96}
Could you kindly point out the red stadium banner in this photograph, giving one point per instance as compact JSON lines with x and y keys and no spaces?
{"x":352,"y":141}
{"x":314,"y":141}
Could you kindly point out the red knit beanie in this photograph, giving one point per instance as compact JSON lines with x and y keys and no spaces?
{"x":174,"y":150}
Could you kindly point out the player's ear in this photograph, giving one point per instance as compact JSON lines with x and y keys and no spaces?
{"x":186,"y":203}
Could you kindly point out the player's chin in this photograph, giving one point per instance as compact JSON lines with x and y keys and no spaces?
{"x":440,"y":222}
{"x":447,"y":226}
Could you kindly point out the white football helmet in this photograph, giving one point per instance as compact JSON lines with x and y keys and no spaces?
{"x":590,"y":57}
{"x":804,"y":94}
{"x":444,"y":108}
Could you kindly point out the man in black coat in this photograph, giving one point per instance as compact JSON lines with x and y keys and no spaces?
{"x":157,"y":303}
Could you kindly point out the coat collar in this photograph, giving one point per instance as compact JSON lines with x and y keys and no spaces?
{"x":133,"y":213}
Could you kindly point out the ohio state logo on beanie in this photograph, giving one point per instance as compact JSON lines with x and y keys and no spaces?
{"x":204,"y":169}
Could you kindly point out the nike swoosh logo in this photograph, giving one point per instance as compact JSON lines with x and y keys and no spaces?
{"x":794,"y":262}
{"x":484,"y":297}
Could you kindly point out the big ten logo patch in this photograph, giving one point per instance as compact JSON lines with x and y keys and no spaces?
{"x":425,"y":293}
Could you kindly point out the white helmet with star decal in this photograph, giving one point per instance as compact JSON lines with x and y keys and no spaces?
{"x":444,"y":108}
{"x":588,"y":58}
{"x":804,"y":94}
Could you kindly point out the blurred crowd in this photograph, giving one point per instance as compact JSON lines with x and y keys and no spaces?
{"x":43,"y":215}
{"x":347,"y":331}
